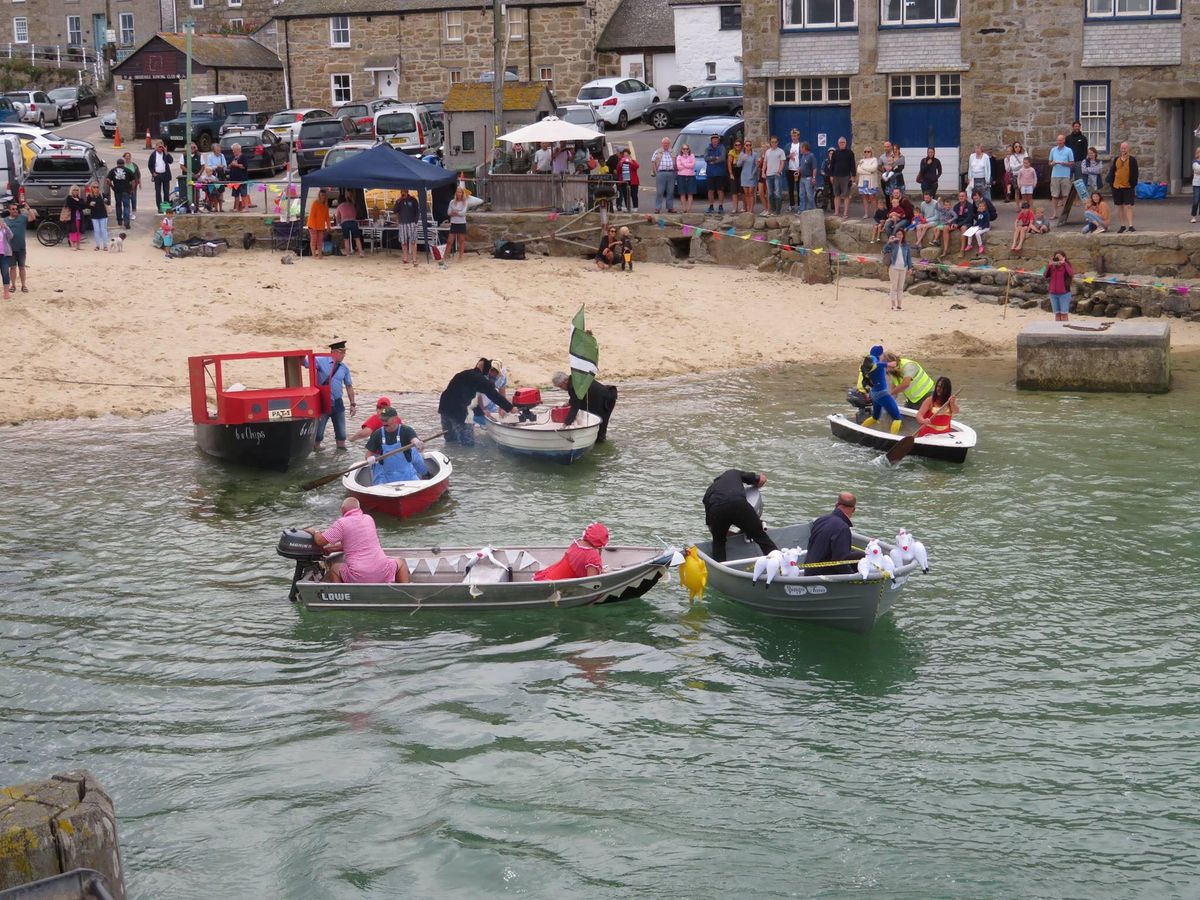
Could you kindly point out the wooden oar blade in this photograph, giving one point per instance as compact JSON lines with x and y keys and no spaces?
{"x":319,"y":482}
{"x":903,"y":447}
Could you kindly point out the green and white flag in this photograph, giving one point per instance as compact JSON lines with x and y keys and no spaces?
{"x":584,"y":355}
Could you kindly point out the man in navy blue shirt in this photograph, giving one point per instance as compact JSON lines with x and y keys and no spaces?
{"x":829,"y":539}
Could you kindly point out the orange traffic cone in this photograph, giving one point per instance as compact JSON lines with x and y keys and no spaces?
{"x":117,"y":138}
{"x":148,"y":144}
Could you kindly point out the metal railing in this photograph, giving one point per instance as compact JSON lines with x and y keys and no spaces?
{"x":59,"y":56}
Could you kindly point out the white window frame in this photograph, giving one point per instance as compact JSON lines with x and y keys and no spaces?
{"x":811,"y":91}
{"x":339,"y":31}
{"x":516,"y":19}
{"x":1110,"y":10}
{"x":546,"y":73}
{"x":122,"y":30}
{"x":24,"y":26}
{"x":453,"y":18}
{"x":906,"y":20}
{"x":1096,"y":125}
{"x":197,"y":4}
{"x":75,"y":36}
{"x":334,"y":88}
{"x":925,"y":86}
{"x":235,"y":4}
{"x":805,"y":25}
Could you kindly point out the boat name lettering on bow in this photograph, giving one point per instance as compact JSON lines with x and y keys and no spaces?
{"x":335,"y":597}
{"x":795,"y":590}
{"x":250,"y":434}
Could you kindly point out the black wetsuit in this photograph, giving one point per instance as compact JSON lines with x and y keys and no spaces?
{"x":725,"y":505}
{"x":829,"y":540}
{"x":600,"y":399}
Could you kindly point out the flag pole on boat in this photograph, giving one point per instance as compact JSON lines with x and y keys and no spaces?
{"x":584,"y":356}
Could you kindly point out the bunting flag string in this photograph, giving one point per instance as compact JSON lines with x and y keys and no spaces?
{"x":842,"y":258}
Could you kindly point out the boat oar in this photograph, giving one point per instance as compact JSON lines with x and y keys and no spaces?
{"x":905,"y":445}
{"x":334,"y":476}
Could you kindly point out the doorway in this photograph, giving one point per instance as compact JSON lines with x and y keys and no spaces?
{"x":99,"y":32}
{"x":387,"y":84}
{"x":154,"y":101}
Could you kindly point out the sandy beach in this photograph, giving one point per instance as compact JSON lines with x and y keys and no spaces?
{"x":94,"y":323}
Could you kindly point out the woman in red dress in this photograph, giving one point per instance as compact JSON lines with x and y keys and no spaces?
{"x":582,"y":557}
{"x":938,"y":409}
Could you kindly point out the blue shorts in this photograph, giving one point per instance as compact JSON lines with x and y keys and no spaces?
{"x":1061,"y":303}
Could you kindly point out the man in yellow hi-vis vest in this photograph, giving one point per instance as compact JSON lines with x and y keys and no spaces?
{"x":908,"y":378}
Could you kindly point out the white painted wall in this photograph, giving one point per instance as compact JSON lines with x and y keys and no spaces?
{"x":698,"y":29}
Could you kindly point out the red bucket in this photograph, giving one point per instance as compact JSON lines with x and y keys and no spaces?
{"x":560,"y":413}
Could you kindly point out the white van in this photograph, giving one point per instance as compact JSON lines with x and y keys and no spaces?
{"x":12,"y":166}
{"x":410,"y":128}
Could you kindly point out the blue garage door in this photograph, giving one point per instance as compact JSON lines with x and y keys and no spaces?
{"x":812,"y":122}
{"x":918,"y":124}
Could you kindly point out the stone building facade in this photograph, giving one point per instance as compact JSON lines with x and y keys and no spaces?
{"x":83,"y":23}
{"x":337,"y":50}
{"x":953,"y":73}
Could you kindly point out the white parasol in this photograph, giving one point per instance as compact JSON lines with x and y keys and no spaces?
{"x":549,"y":130}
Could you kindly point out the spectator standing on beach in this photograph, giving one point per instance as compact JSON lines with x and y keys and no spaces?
{"x":685,"y":177}
{"x":19,"y":218}
{"x":1060,"y":175}
{"x":897,"y":256}
{"x":1078,"y":145}
{"x":979,"y":171}
{"x":843,"y":171}
{"x":1092,"y":169}
{"x":457,"y":211}
{"x":99,"y":211}
{"x":749,"y":168}
{"x":159,"y":166}
{"x":892,"y":165}
{"x":318,"y":224}
{"x":1059,"y":275}
{"x":716,"y":165}
{"x":1012,"y":166}
{"x":72,"y":215}
{"x":930,"y":172}
{"x":1196,"y":185}
{"x":1123,"y":179}
{"x":137,"y":183}
{"x":543,"y":160}
{"x":775,"y":171}
{"x":6,"y":256}
{"x":793,"y":169}
{"x":627,"y":180}
{"x":868,"y":180}
{"x":806,"y":179}
{"x":662,"y":162}
{"x":407,"y":210}
{"x":120,"y":181}
{"x":347,"y":218}
{"x":238,"y":173}
{"x":197,"y":163}
{"x":1026,"y":180}
{"x":734,"y":158}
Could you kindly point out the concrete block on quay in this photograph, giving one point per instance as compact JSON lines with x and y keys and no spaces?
{"x":1126,"y":357}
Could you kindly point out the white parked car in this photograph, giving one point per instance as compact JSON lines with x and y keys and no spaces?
{"x":286,"y":123}
{"x":617,"y":100}
{"x":35,"y":107}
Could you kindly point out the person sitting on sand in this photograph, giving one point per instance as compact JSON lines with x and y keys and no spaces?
{"x":363,"y":559}
{"x":938,"y":409}
{"x":407,"y":465}
{"x":610,"y":246}
{"x":582,"y":558}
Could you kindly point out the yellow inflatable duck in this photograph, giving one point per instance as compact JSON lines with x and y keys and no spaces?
{"x":693,"y":574}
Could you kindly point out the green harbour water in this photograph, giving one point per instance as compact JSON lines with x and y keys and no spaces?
{"x":1024,"y":724}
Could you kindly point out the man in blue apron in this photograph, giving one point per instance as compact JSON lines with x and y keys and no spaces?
{"x":407,"y":465}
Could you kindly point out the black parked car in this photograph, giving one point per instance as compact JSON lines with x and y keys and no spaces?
{"x":716,"y":99}
{"x":243,"y":121}
{"x":262,"y":150}
{"x":76,"y":102}
{"x":316,"y":136}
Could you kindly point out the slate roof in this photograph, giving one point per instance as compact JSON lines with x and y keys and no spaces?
{"x":477,"y":96}
{"x":639,"y":25}
{"x":217,"y":51}
{"x":301,"y":9}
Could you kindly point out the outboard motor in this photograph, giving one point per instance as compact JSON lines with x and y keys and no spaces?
{"x":861,"y":402}
{"x":525,"y":399}
{"x":297,"y":544}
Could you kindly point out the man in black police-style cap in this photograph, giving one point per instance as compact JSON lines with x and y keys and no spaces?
{"x":458,"y":396}
{"x":333,"y":376}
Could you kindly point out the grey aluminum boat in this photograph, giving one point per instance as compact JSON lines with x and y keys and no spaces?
{"x":466,"y":578}
{"x":838,"y":601}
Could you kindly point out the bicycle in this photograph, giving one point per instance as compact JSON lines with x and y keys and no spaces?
{"x":50,"y":232}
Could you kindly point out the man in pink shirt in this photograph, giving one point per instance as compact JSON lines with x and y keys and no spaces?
{"x":363,"y":559}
